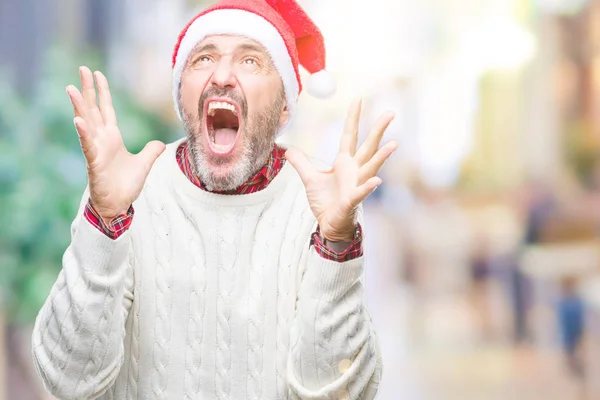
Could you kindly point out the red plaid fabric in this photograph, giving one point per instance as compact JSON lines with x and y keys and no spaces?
{"x":117,"y":226}
{"x":352,"y":251}
{"x":258,"y":182}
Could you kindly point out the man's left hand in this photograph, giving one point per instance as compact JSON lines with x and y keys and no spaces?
{"x":335,"y":194}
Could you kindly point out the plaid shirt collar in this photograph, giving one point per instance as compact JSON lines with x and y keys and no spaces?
{"x":256,"y":183}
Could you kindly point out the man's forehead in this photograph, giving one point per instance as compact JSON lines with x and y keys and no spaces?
{"x":230,"y":41}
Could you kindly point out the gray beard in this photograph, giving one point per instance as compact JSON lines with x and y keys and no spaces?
{"x":260,"y":135}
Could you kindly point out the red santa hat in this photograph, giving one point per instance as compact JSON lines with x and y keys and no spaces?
{"x":287,"y":33}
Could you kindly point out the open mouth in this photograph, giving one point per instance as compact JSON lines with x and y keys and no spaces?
{"x":222,"y":125}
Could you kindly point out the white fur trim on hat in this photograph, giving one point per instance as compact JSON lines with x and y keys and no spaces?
{"x":321,"y":84}
{"x":244,"y":23}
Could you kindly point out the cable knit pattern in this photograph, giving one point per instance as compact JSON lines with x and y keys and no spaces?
{"x":256,"y":323}
{"x":161,"y":232}
{"x":285,"y":297}
{"x":206,"y":296}
{"x":96,"y":356}
{"x":228,"y":229}
{"x":45,"y":336}
{"x":193,"y":354}
{"x":133,"y":374}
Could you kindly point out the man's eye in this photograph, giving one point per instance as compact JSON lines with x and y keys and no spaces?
{"x":250,"y":61}
{"x":202,"y":60}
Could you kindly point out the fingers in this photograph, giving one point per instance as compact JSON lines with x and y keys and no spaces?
{"x":350,"y":134}
{"x":76,"y":100}
{"x":372,"y":166}
{"x":85,"y":139}
{"x":105,"y":99}
{"x":92,"y":113}
{"x":84,"y":102}
{"x":301,"y":164}
{"x":369,"y":147}
{"x":81,"y":128}
{"x":363,"y":191}
{"x":150,"y":153}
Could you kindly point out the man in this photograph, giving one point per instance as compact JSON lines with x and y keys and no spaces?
{"x":239,"y":276}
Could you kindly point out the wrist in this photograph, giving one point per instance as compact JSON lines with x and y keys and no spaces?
{"x":107,"y":221}
{"x":107,"y":216}
{"x":345,"y":236}
{"x":338,"y":251}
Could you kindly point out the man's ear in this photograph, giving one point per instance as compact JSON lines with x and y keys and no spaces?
{"x":285,"y":114}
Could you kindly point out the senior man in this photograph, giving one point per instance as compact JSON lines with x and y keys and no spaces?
{"x":223,"y":265}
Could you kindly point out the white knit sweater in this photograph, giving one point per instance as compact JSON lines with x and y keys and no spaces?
{"x":206,"y":296}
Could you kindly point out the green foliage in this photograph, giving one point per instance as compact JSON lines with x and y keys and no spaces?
{"x":43,"y":175}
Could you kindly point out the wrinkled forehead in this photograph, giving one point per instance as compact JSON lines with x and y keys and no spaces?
{"x":228,"y":43}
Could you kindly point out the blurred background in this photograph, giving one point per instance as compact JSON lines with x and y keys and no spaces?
{"x":483,"y":273}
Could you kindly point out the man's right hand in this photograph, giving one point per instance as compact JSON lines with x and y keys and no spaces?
{"x":116,"y":177}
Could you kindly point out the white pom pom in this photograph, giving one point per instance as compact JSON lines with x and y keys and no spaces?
{"x":321,"y":84}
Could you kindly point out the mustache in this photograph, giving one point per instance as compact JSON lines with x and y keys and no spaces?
{"x":224,"y":93}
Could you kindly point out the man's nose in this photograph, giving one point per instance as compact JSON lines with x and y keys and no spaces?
{"x":224,"y":75}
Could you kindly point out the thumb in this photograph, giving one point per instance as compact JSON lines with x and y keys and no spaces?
{"x":150,"y":153}
{"x":301,"y":164}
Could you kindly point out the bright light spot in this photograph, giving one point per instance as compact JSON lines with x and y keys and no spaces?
{"x":499,"y":43}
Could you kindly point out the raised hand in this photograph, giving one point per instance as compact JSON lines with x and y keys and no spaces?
{"x":335,"y":195}
{"x":115,"y":176}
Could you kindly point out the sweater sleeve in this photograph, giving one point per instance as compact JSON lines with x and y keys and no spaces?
{"x":334,"y":353}
{"x":77,"y":341}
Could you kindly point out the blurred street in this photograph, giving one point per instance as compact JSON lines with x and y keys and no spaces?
{"x":436,"y":347}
